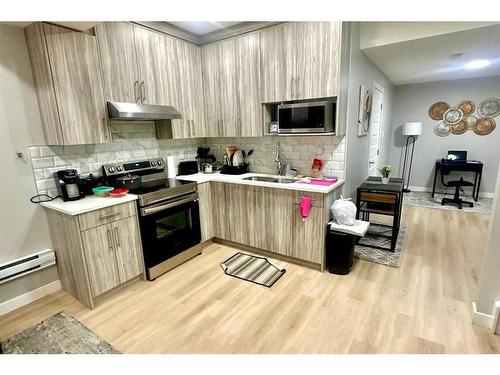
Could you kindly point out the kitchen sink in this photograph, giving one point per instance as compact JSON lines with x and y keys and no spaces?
{"x":261,"y":178}
{"x":278,"y":180}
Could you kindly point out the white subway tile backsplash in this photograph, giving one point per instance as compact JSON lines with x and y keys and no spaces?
{"x":34,"y":152}
{"x":75,"y":150}
{"x":49,"y":183}
{"x":123,"y":155}
{"x":42,"y":162}
{"x":93,"y":149}
{"x":138,"y":141}
{"x":105,"y":156}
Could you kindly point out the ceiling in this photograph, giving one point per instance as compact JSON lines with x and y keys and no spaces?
{"x":203,"y":27}
{"x":439,"y":57}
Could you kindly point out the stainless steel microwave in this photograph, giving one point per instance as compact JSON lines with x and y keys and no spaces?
{"x":306,"y":117}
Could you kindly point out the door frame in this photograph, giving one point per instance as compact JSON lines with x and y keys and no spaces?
{"x":376,"y":86}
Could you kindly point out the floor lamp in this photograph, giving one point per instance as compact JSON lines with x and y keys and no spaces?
{"x":410,"y":130}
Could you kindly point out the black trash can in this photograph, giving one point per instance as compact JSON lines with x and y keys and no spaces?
{"x":339,"y":251}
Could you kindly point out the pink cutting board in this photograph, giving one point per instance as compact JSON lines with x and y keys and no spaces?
{"x":316,"y":181}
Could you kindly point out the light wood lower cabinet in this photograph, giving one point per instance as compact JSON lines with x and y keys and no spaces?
{"x":93,"y":261}
{"x":269,"y":219}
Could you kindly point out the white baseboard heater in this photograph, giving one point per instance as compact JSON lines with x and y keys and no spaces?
{"x":22,"y":266}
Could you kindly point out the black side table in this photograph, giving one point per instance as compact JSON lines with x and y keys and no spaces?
{"x":385,"y":199}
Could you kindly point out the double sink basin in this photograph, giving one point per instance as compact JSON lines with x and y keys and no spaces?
{"x":278,"y":180}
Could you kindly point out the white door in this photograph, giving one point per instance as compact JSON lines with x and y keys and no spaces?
{"x":375,"y":129}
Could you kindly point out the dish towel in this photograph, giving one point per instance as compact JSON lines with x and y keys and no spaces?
{"x":305,"y":207}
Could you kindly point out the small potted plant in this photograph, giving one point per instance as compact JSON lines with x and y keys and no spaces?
{"x":385,"y":171}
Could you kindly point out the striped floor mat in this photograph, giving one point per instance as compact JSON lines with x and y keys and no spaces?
{"x":257,"y":270}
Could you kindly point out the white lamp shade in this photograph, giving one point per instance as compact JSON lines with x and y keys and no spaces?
{"x":412,"y":128}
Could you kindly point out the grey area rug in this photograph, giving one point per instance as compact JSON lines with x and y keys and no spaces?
{"x":424,"y":199}
{"x":59,"y":334}
{"x":257,"y":270}
{"x":363,"y":249}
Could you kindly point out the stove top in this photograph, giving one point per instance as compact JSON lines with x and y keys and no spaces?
{"x":156,"y":187}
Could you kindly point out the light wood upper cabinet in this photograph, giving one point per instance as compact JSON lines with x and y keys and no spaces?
{"x":119,"y":63}
{"x":189,"y":88}
{"x":300,"y":60}
{"x":249,"y":85}
{"x":69,"y":84}
{"x":231,"y":76}
{"x":154,"y":68}
{"x":211,"y":89}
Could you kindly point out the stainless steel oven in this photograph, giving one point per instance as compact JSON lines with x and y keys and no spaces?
{"x":307,"y":117}
{"x":169,"y":229}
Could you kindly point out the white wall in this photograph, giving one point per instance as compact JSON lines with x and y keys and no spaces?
{"x":489,"y":283}
{"x":412,"y":103}
{"x":23,"y":225}
{"x":363,"y":71}
{"x":374,"y":34}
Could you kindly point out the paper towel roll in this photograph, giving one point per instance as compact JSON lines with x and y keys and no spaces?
{"x":171,"y":167}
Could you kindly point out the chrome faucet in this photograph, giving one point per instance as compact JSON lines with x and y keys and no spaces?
{"x":279,"y":161}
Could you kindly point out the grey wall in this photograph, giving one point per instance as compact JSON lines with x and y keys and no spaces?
{"x":363,"y":71}
{"x":412,"y":103}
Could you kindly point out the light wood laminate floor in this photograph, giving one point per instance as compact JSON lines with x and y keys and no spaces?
{"x":421,"y":307}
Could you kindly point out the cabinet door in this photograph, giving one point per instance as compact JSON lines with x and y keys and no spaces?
{"x":278,"y":63}
{"x":248,"y":82}
{"x":99,"y":252}
{"x":228,"y":91}
{"x":127,"y":248}
{"x":220,"y":213}
{"x":277,"y":219}
{"x":119,"y":64}
{"x":152,"y":60}
{"x":77,"y":80}
{"x":190,"y":89}
{"x":206,"y":210}
{"x":318,"y":70}
{"x":307,"y":237}
{"x":211,"y":91}
{"x":195,"y":95}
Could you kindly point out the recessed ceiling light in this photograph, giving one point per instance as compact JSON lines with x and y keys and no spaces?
{"x":476,"y":64}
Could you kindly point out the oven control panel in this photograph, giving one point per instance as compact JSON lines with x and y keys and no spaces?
{"x":153,"y":165}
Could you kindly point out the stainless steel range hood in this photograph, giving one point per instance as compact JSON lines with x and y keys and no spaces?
{"x":143,"y":112}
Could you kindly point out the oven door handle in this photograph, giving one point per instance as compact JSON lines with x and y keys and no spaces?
{"x":151,"y":210}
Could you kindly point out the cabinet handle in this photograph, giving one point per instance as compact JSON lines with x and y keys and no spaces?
{"x":299,"y":93}
{"x":117,"y":241}
{"x":109,"y":240}
{"x":102,"y":217}
{"x":293,"y":88}
{"x":143,"y":95}
{"x":136,"y":92}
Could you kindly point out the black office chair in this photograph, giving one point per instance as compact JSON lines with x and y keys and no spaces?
{"x":457,"y":184}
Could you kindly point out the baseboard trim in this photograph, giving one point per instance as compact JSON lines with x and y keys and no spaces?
{"x":428,"y":190}
{"x":485,"y":320}
{"x":26,"y":298}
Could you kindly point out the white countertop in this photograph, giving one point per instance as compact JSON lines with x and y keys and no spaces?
{"x":89,"y":203}
{"x":239,"y":179}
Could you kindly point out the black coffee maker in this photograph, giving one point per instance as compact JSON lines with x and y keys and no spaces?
{"x":69,"y":185}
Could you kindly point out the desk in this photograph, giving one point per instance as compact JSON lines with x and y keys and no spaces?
{"x":383,"y":199}
{"x":462,"y":166}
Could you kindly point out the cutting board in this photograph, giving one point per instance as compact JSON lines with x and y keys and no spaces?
{"x":317,"y":181}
